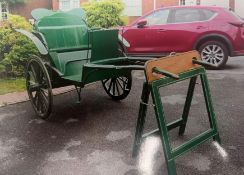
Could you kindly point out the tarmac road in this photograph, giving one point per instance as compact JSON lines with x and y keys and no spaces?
{"x":96,"y":136}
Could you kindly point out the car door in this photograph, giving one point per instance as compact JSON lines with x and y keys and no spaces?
{"x":185,"y":25}
{"x":149,"y":38}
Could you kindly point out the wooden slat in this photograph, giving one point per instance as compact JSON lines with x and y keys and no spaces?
{"x":175,"y":64}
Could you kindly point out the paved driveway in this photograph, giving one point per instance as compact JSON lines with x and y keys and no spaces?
{"x":96,"y":136}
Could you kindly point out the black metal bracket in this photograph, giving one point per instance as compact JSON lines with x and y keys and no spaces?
{"x":165,"y":73}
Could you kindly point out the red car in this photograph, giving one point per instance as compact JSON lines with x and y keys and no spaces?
{"x":214,"y":31}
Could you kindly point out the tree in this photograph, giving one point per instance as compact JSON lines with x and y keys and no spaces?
{"x":11,"y":2}
{"x":104,"y":13}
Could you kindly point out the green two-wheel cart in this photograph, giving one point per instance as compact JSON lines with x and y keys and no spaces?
{"x":70,"y":53}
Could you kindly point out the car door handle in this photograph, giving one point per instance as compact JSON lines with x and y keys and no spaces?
{"x":162,"y":30}
{"x":200,"y":27}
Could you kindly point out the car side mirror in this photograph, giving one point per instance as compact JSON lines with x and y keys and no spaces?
{"x":141,"y":23}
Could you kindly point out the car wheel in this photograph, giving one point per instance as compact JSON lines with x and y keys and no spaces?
{"x":214,"y":52}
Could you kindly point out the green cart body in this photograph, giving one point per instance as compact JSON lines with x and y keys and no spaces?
{"x":71,"y":53}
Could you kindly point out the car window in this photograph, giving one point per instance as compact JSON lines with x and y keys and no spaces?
{"x":157,"y":18}
{"x":186,"y":15}
{"x":207,"y":14}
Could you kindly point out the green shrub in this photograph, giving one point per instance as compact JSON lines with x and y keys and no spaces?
{"x":14,"y":1}
{"x":125,"y":20}
{"x":104,"y":13}
{"x":15,"y":49}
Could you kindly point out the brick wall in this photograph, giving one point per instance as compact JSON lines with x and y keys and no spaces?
{"x":25,"y":9}
{"x":163,"y":3}
{"x":148,"y":5}
{"x":55,"y":4}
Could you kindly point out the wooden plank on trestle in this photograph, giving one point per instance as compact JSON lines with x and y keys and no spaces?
{"x":175,"y":64}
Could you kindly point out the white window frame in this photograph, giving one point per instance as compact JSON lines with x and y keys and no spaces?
{"x":182,"y":2}
{"x":3,"y":13}
{"x":71,"y":4}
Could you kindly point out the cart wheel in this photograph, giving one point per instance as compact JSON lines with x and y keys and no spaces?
{"x":118,"y":88}
{"x":39,"y":87}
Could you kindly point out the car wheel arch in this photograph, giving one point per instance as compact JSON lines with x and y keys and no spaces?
{"x":214,"y":37}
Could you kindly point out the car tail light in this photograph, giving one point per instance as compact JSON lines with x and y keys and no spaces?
{"x":237,"y":24}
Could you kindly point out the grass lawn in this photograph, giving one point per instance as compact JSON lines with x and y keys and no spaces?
{"x":12,"y":85}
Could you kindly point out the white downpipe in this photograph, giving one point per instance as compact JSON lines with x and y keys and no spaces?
{"x":154,"y":4}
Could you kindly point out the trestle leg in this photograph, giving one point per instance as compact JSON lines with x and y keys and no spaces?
{"x":141,"y":119}
{"x":187,"y":104}
{"x":209,"y":106}
{"x":164,"y":132}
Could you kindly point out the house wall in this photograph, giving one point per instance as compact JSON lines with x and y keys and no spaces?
{"x":55,"y":4}
{"x":149,"y":5}
{"x":239,"y":8}
{"x":221,"y":3}
{"x":25,"y":9}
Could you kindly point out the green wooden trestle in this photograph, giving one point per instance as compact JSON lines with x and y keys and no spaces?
{"x":152,"y":88}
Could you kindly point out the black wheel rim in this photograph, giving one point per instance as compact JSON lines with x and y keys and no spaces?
{"x":118,"y":88}
{"x":39,"y":88}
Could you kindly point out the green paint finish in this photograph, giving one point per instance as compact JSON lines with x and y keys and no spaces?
{"x":63,"y":32}
{"x":104,"y":44}
{"x":164,"y":127}
{"x":40,"y":13}
{"x":76,"y":54}
{"x":39,"y":45}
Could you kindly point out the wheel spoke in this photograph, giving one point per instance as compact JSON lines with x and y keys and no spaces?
{"x":40,"y":76}
{"x":44,"y":100}
{"x":208,"y":49}
{"x":105,"y":81}
{"x":44,"y":91}
{"x":32,"y":87}
{"x":218,"y":50}
{"x":217,"y":58}
{"x":119,"y":83}
{"x":117,"y":87}
{"x":110,"y":85}
{"x":122,"y":79}
{"x":206,"y":52}
{"x":37,"y":101}
{"x":113,"y":87}
{"x":208,"y":59}
{"x":33,"y":72}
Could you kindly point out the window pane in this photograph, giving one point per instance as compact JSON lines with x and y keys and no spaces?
{"x":76,"y":4}
{"x":187,"y":15}
{"x":207,"y":14}
{"x":64,"y":5}
{"x":4,"y":11}
{"x":182,"y":2}
{"x":158,"y":17}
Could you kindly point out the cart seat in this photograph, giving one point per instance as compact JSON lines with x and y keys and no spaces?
{"x":66,"y":37}
{"x":70,"y":64}
{"x":63,"y":32}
